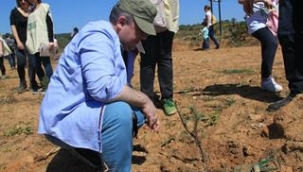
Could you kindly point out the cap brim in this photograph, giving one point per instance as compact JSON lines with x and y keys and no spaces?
{"x":145,"y":26}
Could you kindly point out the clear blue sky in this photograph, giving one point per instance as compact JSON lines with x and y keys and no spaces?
{"x":70,"y":13}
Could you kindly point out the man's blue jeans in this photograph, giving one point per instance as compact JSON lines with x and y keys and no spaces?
{"x":116,"y":136}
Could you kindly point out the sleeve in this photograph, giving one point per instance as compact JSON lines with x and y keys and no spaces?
{"x":99,"y":67}
{"x":50,"y":27}
{"x":12,"y":17}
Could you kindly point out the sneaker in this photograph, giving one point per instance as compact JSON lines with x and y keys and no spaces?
{"x":169,"y":107}
{"x":270,"y":85}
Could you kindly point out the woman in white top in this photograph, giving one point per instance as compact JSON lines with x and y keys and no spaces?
{"x":258,"y":28}
{"x":210,"y":25}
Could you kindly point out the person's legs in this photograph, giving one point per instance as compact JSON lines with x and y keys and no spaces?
{"x":165,"y":71}
{"x":296,"y":85}
{"x":211,"y":34}
{"x":116,"y":136}
{"x":269,"y":44}
{"x":48,"y":70}
{"x":2,"y":67}
{"x":205,"y":45}
{"x":11,"y":60}
{"x":47,"y":66}
{"x":291,"y":40}
{"x":148,"y":65}
{"x":33,"y":62}
{"x":21,"y":63}
{"x":116,"y":139}
{"x":165,"y":65}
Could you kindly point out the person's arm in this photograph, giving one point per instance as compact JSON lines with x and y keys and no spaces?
{"x":50,"y":30}
{"x":14,"y":32}
{"x":139,"y":99}
{"x":16,"y":37}
{"x":102,"y":78}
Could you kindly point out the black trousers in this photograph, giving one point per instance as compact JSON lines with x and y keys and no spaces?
{"x":158,"y":53}
{"x":269,"y":45}
{"x":290,"y":33}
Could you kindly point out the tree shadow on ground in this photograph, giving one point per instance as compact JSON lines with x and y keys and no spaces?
{"x":246,"y":91}
{"x":64,"y":161}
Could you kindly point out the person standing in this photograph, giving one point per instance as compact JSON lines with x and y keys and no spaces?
{"x":158,"y":52}
{"x":210,"y":24}
{"x":258,"y":28}
{"x":40,"y":32}
{"x":290,"y":33}
{"x":18,"y":22}
{"x":89,"y":108}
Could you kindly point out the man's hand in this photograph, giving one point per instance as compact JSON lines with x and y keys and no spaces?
{"x":150,"y":111}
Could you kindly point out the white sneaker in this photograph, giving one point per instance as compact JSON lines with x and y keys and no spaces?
{"x":270,"y":85}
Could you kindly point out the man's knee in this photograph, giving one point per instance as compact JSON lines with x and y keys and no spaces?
{"x":119,"y":112}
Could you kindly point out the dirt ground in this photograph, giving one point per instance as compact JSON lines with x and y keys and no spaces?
{"x":222,"y":124}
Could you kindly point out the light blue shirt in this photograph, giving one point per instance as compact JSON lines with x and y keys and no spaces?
{"x":90,"y":71}
{"x":205,"y":32}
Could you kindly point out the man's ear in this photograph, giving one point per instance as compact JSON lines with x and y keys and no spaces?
{"x":121,"y":21}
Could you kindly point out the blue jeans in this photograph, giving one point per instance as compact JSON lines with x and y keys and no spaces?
{"x":34,"y":67}
{"x":211,"y":34}
{"x":116,"y":136}
{"x":11,"y":60}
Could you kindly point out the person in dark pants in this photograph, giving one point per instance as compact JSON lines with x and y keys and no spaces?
{"x":290,"y":33}
{"x":158,"y":51}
